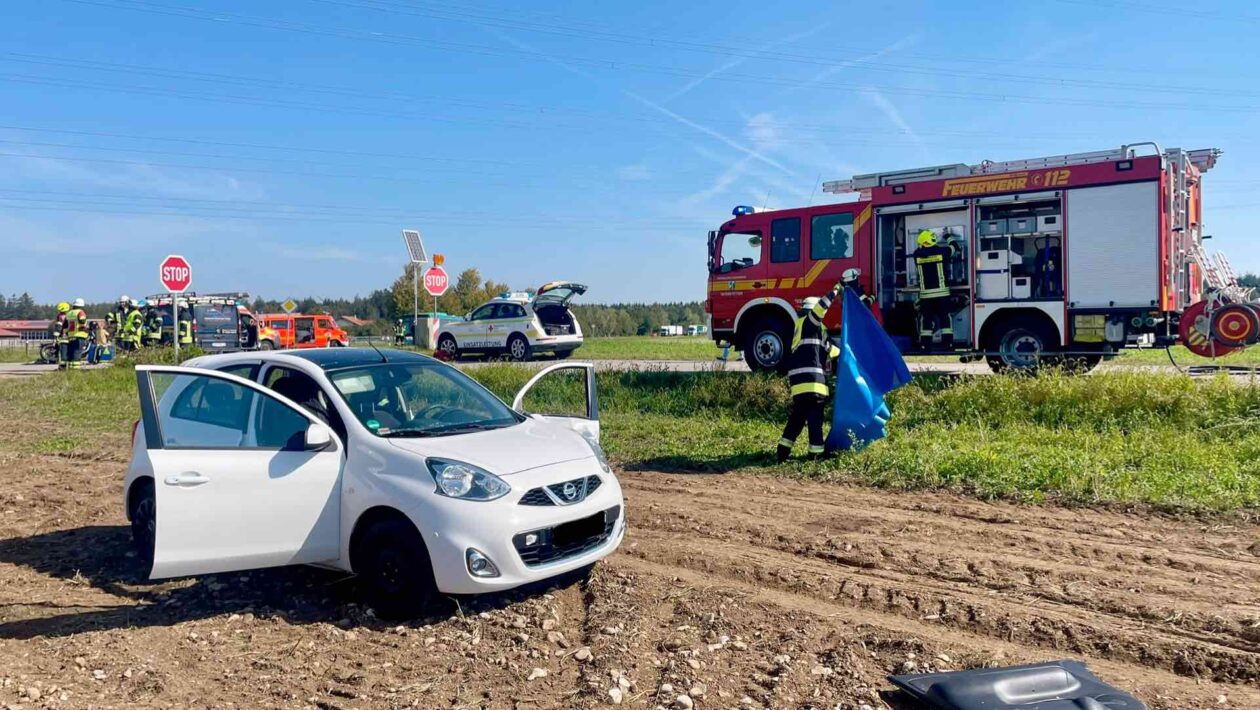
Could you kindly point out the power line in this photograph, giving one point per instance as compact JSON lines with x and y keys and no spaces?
{"x":409,"y":40}
{"x":744,"y":52}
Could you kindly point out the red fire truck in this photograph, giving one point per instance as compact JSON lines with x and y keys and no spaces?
{"x":1070,"y":256}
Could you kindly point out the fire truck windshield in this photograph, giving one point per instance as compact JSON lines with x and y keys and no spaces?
{"x":738,"y":250}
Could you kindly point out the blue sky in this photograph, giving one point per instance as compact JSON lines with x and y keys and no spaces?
{"x":281,"y":146}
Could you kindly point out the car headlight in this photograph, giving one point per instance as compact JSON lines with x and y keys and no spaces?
{"x":599,"y":453}
{"x":456,"y":479}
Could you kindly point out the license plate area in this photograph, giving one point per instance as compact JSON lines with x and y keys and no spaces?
{"x":568,"y":533}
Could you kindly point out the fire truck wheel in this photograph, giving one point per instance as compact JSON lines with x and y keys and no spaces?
{"x":266,"y":345}
{"x":518,"y":347}
{"x":1021,"y":349}
{"x":766,"y":346}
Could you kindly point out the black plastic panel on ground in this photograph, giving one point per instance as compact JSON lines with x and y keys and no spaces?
{"x":1057,"y":685}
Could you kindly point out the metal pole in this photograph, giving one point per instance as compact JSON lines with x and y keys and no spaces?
{"x":415,"y":305}
{"x":175,"y":325}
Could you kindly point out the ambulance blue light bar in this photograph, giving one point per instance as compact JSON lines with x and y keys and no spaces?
{"x":741,"y":210}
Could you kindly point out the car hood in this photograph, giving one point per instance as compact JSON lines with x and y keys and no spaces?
{"x":503,"y":452}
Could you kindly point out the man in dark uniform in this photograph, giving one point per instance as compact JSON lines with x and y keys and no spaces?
{"x":935,"y":313}
{"x":807,"y":375}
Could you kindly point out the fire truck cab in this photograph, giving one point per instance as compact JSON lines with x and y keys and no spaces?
{"x":1064,"y":258}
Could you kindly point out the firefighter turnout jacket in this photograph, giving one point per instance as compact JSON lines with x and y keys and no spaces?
{"x":133,"y":327}
{"x":811,"y":350}
{"x":77,"y":324}
{"x":930,"y":263}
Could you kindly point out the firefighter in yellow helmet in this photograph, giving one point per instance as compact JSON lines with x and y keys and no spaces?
{"x":808,"y":362}
{"x":76,"y":334}
{"x":59,"y":332}
{"x":931,"y":260}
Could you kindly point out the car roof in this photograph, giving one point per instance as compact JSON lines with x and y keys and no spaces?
{"x":323,"y":358}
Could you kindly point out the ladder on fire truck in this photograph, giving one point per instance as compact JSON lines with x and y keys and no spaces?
{"x":1203,"y":159}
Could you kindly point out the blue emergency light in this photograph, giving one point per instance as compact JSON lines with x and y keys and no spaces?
{"x":741,"y":210}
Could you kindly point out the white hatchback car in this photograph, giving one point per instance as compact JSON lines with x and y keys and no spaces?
{"x":518,"y":324}
{"x":388,"y":464}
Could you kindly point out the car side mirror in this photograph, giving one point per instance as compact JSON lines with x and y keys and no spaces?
{"x":318,"y":437}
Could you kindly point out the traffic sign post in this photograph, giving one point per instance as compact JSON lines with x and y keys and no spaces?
{"x":436,"y":281}
{"x":175,"y":273}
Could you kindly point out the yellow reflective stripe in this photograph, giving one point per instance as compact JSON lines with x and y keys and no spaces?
{"x":812,"y":275}
{"x":833,"y":351}
{"x":786,"y":442}
{"x":929,"y":259}
{"x":796,"y":334}
{"x":809,"y":388}
{"x":861,"y":219}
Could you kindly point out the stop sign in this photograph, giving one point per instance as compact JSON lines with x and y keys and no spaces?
{"x":435,"y":281}
{"x":175,"y":273}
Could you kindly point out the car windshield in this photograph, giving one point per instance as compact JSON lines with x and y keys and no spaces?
{"x":420,"y":399}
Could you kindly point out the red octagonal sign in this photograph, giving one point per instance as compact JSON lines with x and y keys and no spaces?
{"x":436,"y":281}
{"x":175,"y":273}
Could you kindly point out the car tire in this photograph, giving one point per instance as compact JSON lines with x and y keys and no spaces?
{"x":142,"y":509}
{"x":394,"y":567}
{"x":518,"y":347}
{"x":447,"y":345}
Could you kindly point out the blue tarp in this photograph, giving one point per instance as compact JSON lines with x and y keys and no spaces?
{"x":869,"y":367}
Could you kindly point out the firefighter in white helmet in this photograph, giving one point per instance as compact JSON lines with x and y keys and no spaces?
{"x":808,"y":363}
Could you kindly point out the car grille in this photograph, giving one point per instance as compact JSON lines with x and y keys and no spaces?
{"x":546,"y":548}
{"x":582,"y":487}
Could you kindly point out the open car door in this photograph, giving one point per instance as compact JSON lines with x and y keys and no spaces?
{"x":244,"y":477}
{"x":587,"y":423}
{"x":557,"y":293}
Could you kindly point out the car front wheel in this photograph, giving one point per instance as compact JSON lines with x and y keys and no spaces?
{"x":394,"y":565}
{"x":448,"y":346}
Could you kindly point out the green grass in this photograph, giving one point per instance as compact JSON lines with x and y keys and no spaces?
{"x":1249,"y":357}
{"x":1122,"y":436}
{"x":20,"y":353}
{"x":649,"y":348}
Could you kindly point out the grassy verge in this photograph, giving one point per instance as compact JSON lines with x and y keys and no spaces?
{"x":1249,"y":357}
{"x":649,"y":348}
{"x":1118,"y":436}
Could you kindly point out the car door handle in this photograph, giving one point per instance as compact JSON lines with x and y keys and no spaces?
{"x":188,"y":479}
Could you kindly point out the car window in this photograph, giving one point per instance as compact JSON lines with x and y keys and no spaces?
{"x":306,"y":392}
{"x":389,"y":399}
{"x":740,"y":250}
{"x":203,"y":412}
{"x":831,"y":236}
{"x":515,"y":311}
{"x":484,"y":312}
{"x":785,"y":240}
{"x":247,"y":370}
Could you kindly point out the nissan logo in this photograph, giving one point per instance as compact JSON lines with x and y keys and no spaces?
{"x":570,"y":491}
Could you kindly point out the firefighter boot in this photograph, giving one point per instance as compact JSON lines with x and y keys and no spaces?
{"x":782,"y":453}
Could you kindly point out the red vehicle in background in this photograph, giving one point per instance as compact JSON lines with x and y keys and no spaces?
{"x":306,"y":331}
{"x":1063,"y":257}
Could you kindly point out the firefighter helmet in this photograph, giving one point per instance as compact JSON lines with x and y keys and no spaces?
{"x":63,"y":307}
{"x":928,"y":238}
{"x":78,"y":303}
{"x":124,"y":299}
{"x":850,"y":275}
{"x":809,"y":303}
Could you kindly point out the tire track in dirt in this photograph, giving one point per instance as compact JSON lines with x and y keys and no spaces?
{"x":764,"y":524}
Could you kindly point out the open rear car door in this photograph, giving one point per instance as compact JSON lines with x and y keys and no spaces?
{"x":243,"y":477}
{"x":586,"y":424}
{"x":557,"y":293}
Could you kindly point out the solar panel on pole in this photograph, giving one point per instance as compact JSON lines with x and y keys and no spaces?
{"x":415,"y":248}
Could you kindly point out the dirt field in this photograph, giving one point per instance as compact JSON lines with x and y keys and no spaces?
{"x":732,"y":590}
